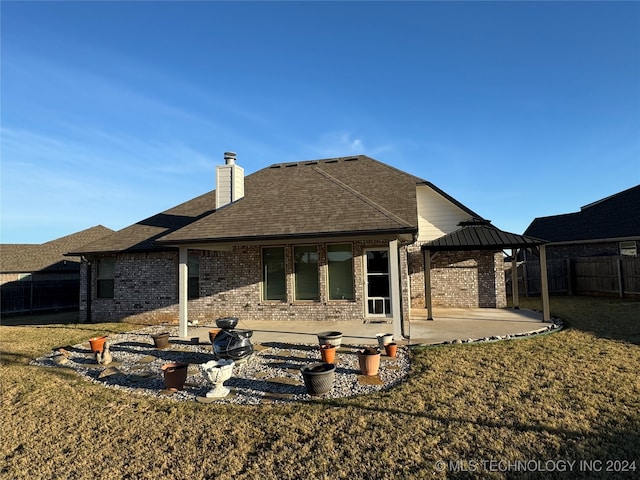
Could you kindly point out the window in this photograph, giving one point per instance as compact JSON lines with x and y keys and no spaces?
{"x":340,"y":267}
{"x":305,"y":266}
{"x":193,"y":267}
{"x":274,"y":285}
{"x":628,"y":248}
{"x":105,"y":275}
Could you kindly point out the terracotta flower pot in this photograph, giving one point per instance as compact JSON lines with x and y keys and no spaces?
{"x":175,"y":374}
{"x":212,"y":333}
{"x":369,"y":360}
{"x":328,"y":353}
{"x":319,"y":377}
{"x":391,"y":349}
{"x":97,"y":343}
{"x":161,"y":340}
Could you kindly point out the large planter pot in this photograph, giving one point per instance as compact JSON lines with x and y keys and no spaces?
{"x":383,"y":339}
{"x":333,"y":338}
{"x":391,"y":349}
{"x":369,"y":360}
{"x":319,"y":377}
{"x":161,"y":340}
{"x":328,"y":353}
{"x":97,"y":343}
{"x":175,"y":374}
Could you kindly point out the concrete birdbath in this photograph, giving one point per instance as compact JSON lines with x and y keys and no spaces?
{"x":218,"y":371}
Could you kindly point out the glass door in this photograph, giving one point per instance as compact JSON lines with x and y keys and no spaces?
{"x":377,"y":274}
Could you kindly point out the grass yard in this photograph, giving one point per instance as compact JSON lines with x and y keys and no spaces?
{"x":552,"y":399}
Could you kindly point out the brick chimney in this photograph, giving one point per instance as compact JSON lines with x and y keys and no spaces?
{"x":229,"y":181}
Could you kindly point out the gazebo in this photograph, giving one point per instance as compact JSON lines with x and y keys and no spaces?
{"x":479,"y":234}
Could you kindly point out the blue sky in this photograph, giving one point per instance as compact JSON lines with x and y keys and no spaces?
{"x":114,"y":111}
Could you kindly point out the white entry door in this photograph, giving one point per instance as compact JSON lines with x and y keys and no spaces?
{"x":378,"y":299}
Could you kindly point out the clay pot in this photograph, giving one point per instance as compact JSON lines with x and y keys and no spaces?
{"x":391,"y":349}
{"x":319,"y":377}
{"x":97,"y":343}
{"x":328,"y":353}
{"x":383,"y":339}
{"x":334,"y":338}
{"x":161,"y":340}
{"x":175,"y":374}
{"x":369,"y":361}
{"x":212,"y":333}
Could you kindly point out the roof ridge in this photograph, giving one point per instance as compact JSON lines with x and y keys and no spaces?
{"x":363,"y":197}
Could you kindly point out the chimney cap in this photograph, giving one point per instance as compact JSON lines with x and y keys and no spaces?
{"x":229,"y":157}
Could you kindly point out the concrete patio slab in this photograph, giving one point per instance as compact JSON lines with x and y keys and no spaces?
{"x":449,"y":324}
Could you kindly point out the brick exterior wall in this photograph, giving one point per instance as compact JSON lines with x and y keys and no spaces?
{"x":468,"y":279}
{"x":146,"y":286}
{"x":603,"y":249}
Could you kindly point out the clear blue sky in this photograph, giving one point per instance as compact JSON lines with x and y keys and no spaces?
{"x":115,"y":111}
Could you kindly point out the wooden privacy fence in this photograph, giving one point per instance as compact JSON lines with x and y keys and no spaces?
{"x":581,"y":276}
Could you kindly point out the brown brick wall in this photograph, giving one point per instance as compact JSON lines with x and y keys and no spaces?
{"x":145,"y":286}
{"x":459,"y":279}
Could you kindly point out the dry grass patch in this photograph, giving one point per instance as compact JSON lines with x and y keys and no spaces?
{"x":571,"y":395}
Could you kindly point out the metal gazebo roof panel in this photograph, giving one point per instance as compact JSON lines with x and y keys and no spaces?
{"x":481,"y":235}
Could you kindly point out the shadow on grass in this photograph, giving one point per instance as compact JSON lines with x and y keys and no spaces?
{"x":41,"y":319}
{"x":606,"y":317}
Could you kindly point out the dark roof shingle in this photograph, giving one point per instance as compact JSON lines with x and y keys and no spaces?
{"x":27,"y":258}
{"x":617,"y":216}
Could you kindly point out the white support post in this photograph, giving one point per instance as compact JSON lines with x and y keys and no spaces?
{"x":427,"y":284}
{"x":396,"y":297}
{"x":183,"y":282}
{"x":544,"y":285}
{"x":514,"y":279}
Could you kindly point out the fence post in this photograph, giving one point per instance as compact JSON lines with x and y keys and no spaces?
{"x":569,"y":284}
{"x":620,"y":281}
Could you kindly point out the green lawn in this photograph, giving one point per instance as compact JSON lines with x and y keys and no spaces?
{"x":554,"y":399}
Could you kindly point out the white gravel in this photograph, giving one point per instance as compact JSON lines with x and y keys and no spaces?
{"x":271,"y":374}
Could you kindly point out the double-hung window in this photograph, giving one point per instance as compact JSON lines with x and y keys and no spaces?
{"x":193,"y":267}
{"x":274,"y":284}
{"x":340,"y":270}
{"x":105,"y":277}
{"x":305,"y":267}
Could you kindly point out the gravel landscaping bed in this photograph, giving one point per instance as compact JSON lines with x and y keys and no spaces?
{"x":271,"y":374}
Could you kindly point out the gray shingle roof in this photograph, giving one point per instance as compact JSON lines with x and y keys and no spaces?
{"x":356,"y":195}
{"x":617,"y":216}
{"x":320,"y":198}
{"x":27,"y":258}
{"x":481,"y":235}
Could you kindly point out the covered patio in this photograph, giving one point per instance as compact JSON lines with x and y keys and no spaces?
{"x":453,"y":324}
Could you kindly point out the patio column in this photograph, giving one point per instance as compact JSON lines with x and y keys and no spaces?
{"x":514,"y":279}
{"x":544,"y":286}
{"x":427,"y":283}
{"x":396,"y":297}
{"x":183,"y":279}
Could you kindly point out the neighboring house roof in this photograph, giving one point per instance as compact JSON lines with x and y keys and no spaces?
{"x":27,"y":258}
{"x":321,"y":198}
{"x":481,"y":235}
{"x":617,"y":216}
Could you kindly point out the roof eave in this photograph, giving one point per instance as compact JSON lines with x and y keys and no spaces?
{"x":292,"y":236}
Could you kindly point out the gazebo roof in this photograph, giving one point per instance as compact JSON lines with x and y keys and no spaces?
{"x":481,"y":235}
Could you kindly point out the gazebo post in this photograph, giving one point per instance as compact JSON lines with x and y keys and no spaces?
{"x":514,"y":279}
{"x":544,"y":286}
{"x":427,"y":283}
